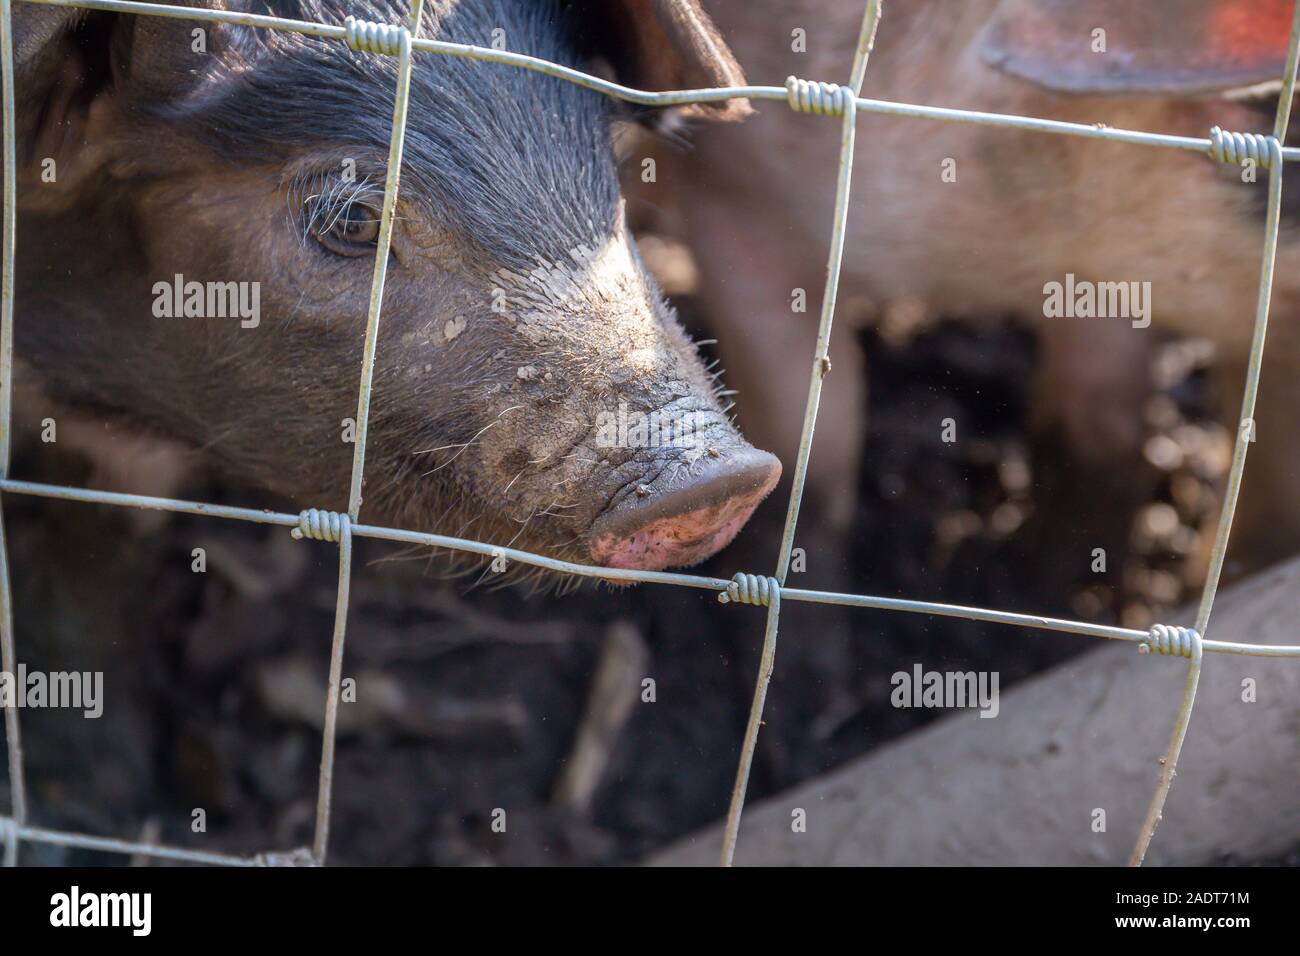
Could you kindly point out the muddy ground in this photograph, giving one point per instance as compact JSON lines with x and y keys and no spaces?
{"x":471,"y":699}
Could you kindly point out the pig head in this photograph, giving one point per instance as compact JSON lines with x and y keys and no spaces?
{"x":198,"y":216}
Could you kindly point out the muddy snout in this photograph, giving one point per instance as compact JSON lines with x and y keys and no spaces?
{"x":686,"y":513}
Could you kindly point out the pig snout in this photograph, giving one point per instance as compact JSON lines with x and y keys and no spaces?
{"x":669,"y":522}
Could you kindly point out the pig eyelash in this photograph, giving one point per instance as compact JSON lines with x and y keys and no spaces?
{"x":318,"y":201}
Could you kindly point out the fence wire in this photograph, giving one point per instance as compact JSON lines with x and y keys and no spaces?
{"x":816,"y":97}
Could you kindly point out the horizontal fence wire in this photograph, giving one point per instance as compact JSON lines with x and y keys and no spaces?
{"x":622,"y":575}
{"x":827,"y":99}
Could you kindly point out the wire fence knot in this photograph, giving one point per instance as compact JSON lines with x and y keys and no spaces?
{"x":752,"y":589}
{"x":820,"y":99}
{"x":321,"y":525}
{"x":1238,"y":148}
{"x":1172,"y":641}
{"x":367,"y":36}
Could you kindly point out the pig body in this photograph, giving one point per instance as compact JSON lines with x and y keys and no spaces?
{"x":247,"y":167}
{"x":977,"y":221}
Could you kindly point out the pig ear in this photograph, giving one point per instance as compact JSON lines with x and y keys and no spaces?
{"x":1180,"y":47}
{"x":79,"y":73}
{"x":662,"y":45}
{"x":166,"y":59}
{"x":38,"y":57}
{"x":34,"y":30}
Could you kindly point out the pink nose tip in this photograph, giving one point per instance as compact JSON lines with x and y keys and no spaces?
{"x":686,"y":521}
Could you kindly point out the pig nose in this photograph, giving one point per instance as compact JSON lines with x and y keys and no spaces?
{"x":684,"y":521}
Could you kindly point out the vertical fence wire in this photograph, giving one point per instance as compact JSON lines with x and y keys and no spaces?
{"x":333,"y":693}
{"x":13,"y":734}
{"x":1245,"y":435}
{"x":821,"y":98}
{"x":845,"y":101}
{"x":8,"y":658}
{"x":397,"y":139}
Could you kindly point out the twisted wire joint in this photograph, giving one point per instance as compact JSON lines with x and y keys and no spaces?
{"x":821,"y":99}
{"x":1172,"y":641}
{"x":320,"y":525}
{"x":1235,"y":148}
{"x":366,"y":36}
{"x":751,"y":589}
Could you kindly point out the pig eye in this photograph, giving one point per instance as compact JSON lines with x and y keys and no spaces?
{"x":353,"y":231}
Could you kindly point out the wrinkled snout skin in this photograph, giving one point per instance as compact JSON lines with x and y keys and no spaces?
{"x":523,"y":345}
{"x":974,"y":221}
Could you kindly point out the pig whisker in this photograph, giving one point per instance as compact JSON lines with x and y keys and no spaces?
{"x":513,"y":574}
{"x":548,"y":513}
{"x":513,"y":480}
{"x":466,"y":526}
{"x":525,"y":522}
{"x":463,"y":446}
{"x":509,"y":544}
{"x":452,"y":458}
{"x":503,"y":580}
{"x":573,"y":540}
{"x":443,"y":517}
{"x":529,"y":578}
{"x":483,"y":577}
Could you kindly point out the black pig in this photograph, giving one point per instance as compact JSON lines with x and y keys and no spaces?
{"x":195,"y":263}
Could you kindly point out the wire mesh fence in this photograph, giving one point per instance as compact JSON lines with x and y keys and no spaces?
{"x":402,"y":41}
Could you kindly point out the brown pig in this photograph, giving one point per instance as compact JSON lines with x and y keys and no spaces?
{"x":984,"y":222}
{"x":198,"y":209}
